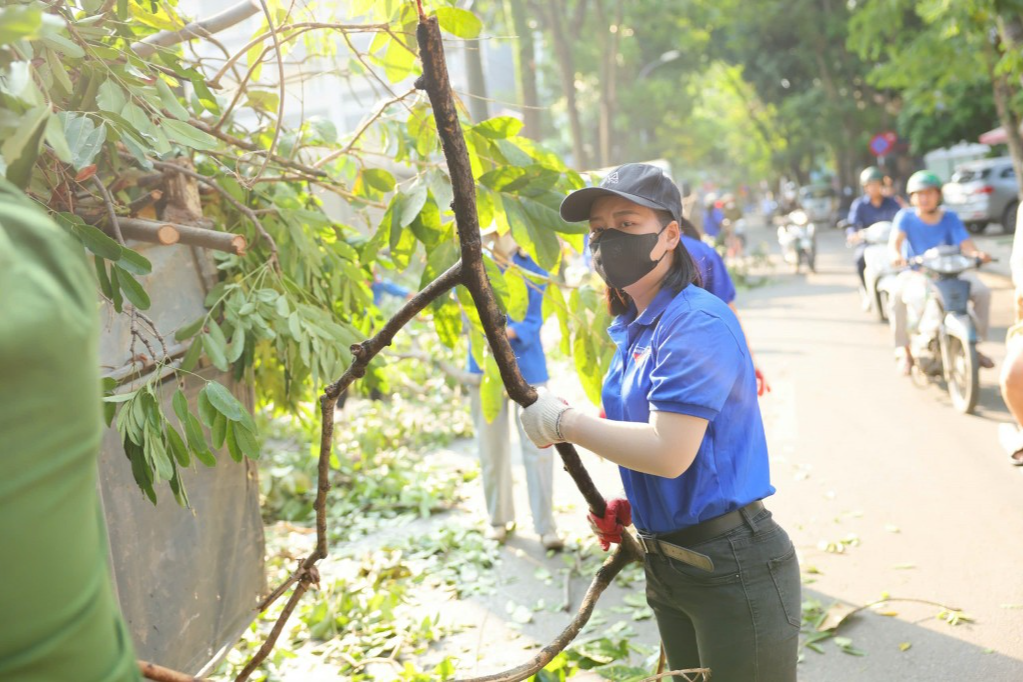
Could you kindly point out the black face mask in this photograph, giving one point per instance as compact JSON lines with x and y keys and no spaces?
{"x":622,"y":259}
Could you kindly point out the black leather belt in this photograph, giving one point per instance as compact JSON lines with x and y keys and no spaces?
{"x":671,"y":544}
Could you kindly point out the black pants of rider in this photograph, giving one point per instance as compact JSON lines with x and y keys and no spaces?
{"x":742,"y":619}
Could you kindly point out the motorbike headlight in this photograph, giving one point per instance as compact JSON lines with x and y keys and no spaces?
{"x":949,"y":265}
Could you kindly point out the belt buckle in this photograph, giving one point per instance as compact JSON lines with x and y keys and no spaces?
{"x":651,"y":545}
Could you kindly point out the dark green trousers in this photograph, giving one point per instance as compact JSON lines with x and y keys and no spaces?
{"x":742,"y":619}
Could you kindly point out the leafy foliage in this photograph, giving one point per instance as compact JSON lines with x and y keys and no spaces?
{"x":80,"y":106}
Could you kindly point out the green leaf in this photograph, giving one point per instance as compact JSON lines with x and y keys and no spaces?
{"x":177,"y":446}
{"x":224,"y":401}
{"x":170,"y":101}
{"x":232,"y":443}
{"x":134,"y":262}
{"x":98,"y":242}
{"x":215,"y":345}
{"x":161,"y":460}
{"x":246,"y":441}
{"x":492,"y":389}
{"x":518,"y":294}
{"x":110,"y":97}
{"x":499,"y":127}
{"x":398,"y":61}
{"x":180,"y":404}
{"x":197,"y":441}
{"x":207,"y":412}
{"x":410,"y":203}
{"x":188,"y":135}
{"x":236,"y":346}
{"x":219,"y":430}
{"x":497,"y":282}
{"x":84,"y":139}
{"x":101,"y":275}
{"x":378,"y":179}
{"x":55,"y":136}
{"x":459,"y":22}
{"x":63,"y":45}
{"x":115,"y":289}
{"x":132,"y":290}
{"x":59,"y":71}
{"x":192,"y":355}
{"x":22,"y":148}
{"x":17,"y":22}
{"x":189,"y":330}
{"x":447,"y":318}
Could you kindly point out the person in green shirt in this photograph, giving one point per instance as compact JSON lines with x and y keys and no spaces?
{"x":60,"y":618}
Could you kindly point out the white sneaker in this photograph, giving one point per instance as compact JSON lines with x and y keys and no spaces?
{"x":498,"y":533}
{"x":552,"y":541}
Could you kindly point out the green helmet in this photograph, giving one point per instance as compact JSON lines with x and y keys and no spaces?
{"x":923,"y":180}
{"x":871,"y":174}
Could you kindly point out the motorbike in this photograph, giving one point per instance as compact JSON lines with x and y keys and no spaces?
{"x":878,"y":274}
{"x":943,"y":335}
{"x":797,"y":237}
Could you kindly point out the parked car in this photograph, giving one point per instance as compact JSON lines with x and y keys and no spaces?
{"x":983,"y":192}
{"x":820,"y":204}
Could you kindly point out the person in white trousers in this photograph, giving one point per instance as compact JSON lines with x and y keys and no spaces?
{"x":494,"y":438}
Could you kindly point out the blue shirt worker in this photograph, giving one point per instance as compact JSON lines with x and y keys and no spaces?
{"x":684,"y":426}
{"x":872,"y":207}
{"x":917,"y":229}
{"x":493,"y":438}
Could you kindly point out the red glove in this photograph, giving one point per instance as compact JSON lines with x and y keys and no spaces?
{"x":609,"y":529}
{"x":762,"y":385}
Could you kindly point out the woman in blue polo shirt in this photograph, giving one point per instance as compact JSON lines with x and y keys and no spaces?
{"x":684,"y":425}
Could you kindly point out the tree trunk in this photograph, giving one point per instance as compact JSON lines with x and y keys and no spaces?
{"x":477,"y":83}
{"x":554,"y":12}
{"x":608,"y":80}
{"x":1009,"y":33}
{"x":525,"y":63}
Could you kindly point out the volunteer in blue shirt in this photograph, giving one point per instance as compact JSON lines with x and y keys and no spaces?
{"x":684,"y":426}
{"x":915,"y":230}
{"x":493,"y":438}
{"x":714,"y":276}
{"x":872,"y":207}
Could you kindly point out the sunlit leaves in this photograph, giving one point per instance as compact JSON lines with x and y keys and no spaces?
{"x":459,"y":22}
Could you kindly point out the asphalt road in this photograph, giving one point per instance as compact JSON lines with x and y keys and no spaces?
{"x":859,"y":452}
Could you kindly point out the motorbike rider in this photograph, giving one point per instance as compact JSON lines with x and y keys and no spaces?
{"x":925,"y":225}
{"x":872,"y":207}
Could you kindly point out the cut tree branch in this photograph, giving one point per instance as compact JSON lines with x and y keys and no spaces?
{"x":158,"y":673}
{"x":245,"y":210}
{"x":362,"y":353}
{"x":197,"y":29}
{"x":619,"y":558}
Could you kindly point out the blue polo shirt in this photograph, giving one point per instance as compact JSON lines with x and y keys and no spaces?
{"x":526,"y":344}
{"x":687,"y":354}
{"x":712,"y":219}
{"x":712,"y":269}
{"x":863,"y":214}
{"x":920,"y":236}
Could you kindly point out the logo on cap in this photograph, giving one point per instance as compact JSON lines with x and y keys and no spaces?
{"x":612,"y":179}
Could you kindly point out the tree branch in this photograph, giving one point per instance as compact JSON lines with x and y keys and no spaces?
{"x":152,"y":671}
{"x":248,"y":212}
{"x":197,"y":29}
{"x":437,"y":85}
{"x":362,"y":353}
{"x":252,"y":147}
{"x":281,"y":97}
{"x":618,"y":559}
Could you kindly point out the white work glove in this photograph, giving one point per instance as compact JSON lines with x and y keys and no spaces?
{"x":542,"y":420}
